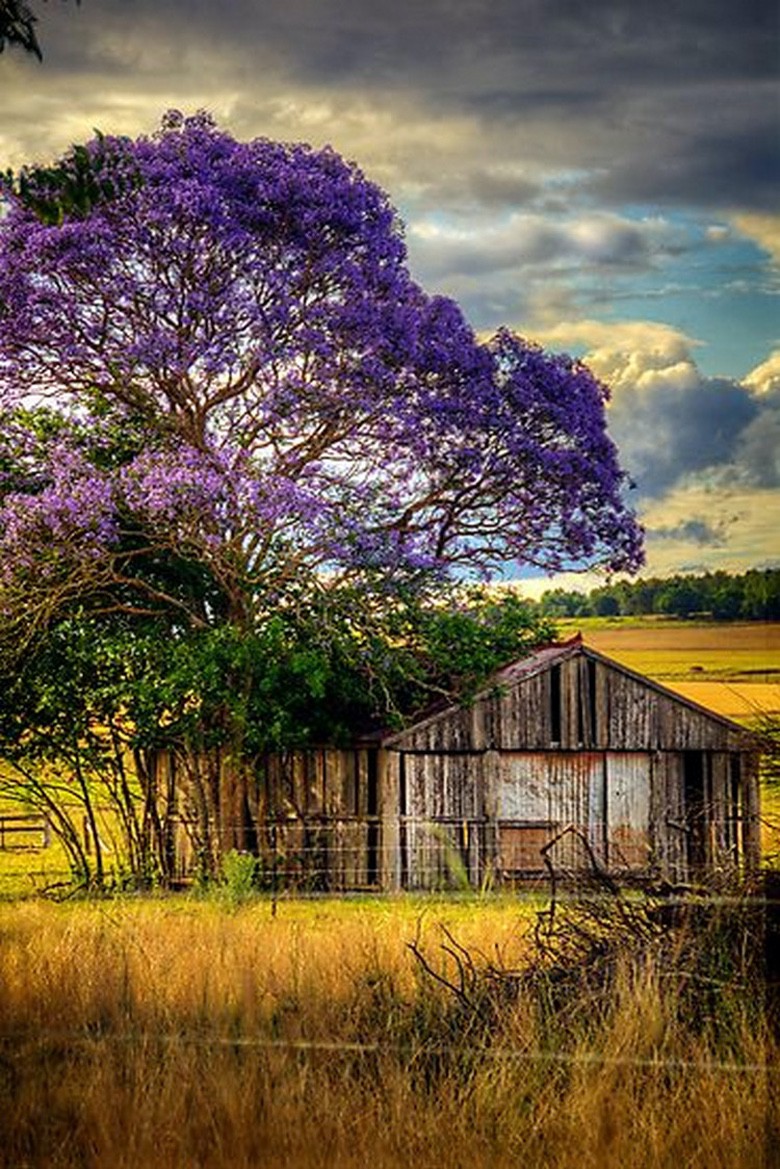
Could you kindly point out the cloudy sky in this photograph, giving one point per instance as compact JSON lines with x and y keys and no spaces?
{"x":601,"y":176}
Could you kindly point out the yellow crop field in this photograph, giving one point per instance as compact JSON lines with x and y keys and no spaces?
{"x":733,"y":669}
{"x":741,"y":701}
{"x":683,"y":649}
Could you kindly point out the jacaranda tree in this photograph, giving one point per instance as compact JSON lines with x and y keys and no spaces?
{"x":224,"y":399}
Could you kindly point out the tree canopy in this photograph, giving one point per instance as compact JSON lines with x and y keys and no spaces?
{"x":749,"y":596}
{"x":239,"y":371}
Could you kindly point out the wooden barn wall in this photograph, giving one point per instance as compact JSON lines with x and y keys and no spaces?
{"x":318,"y":818}
{"x":649,"y":783}
{"x":542,"y":796}
{"x":442,"y":818}
{"x":635,"y":812}
{"x":667,"y":817}
{"x":579,"y":703}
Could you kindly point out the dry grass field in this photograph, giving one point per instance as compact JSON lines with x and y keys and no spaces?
{"x":176,"y":1035}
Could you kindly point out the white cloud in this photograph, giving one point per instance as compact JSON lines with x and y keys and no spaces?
{"x":746,"y":522}
{"x":765,"y":378}
{"x":527,"y":240}
{"x":630,"y":357}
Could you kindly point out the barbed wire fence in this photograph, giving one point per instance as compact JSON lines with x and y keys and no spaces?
{"x":319,"y":854}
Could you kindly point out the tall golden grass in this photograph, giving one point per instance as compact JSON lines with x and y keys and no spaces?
{"x":179,"y":1035}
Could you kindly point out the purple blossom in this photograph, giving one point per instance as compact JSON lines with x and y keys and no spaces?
{"x":249,"y":376}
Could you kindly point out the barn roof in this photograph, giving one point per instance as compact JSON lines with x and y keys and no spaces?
{"x":517,"y":672}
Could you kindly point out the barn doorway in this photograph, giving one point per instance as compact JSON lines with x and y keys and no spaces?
{"x":696,"y":796}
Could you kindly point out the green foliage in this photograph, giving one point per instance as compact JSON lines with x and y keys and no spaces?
{"x":751,"y":596}
{"x":240,"y":875}
{"x":71,"y":189}
{"x":88,"y":711}
{"x":17,"y":27}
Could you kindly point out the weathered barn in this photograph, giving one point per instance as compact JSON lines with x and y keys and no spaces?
{"x":565,"y":745}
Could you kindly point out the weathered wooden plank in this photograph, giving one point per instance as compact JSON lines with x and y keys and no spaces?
{"x":628,"y":810}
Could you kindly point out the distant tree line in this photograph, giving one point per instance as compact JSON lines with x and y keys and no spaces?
{"x":751,"y":596}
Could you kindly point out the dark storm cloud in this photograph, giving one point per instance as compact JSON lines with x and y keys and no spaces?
{"x":668,"y":432}
{"x":723,"y":151}
{"x":665,"y":100}
{"x":758,"y":452}
{"x":544,"y":46}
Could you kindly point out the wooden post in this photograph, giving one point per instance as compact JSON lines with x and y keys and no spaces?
{"x":491,"y":779}
{"x":390,"y":811}
{"x":751,"y":814}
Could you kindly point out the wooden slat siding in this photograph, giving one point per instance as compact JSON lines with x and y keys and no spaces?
{"x":493,"y":769}
{"x":417,"y":812}
{"x":597,"y":809}
{"x":336,"y":774}
{"x":475,"y":852}
{"x":525,"y":715}
{"x":524,"y":791}
{"x":569,"y":786}
{"x":443,"y":791}
{"x":603,"y":701}
{"x":719,"y":809}
{"x":361,"y":783}
{"x":477,"y":737}
{"x":676,"y":838}
{"x":582,"y":700}
{"x":314,"y":779}
{"x":631,"y":713}
{"x":334,"y":781}
{"x":667,"y":839}
{"x":553,"y":789}
{"x":570,"y":703}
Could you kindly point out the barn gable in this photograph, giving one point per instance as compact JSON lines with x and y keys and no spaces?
{"x":571,"y":697}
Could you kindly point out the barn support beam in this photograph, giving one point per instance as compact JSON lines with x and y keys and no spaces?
{"x":388,"y":781}
{"x":492,"y":775}
{"x":751,"y":815}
